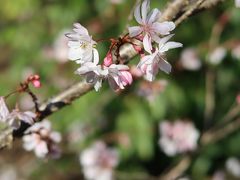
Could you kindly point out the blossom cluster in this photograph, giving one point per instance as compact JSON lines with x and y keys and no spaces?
{"x":178,"y":137}
{"x":42,"y":140}
{"x":154,"y":36}
{"x":98,"y":161}
{"x":14,"y":118}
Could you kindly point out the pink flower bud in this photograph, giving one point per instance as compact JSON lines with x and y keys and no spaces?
{"x":35,"y":80}
{"x":36,"y":83}
{"x":108,"y":59}
{"x":126,"y":78}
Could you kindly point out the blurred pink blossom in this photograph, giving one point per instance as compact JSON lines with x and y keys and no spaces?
{"x":217,"y":55}
{"x":150,"y":90}
{"x":190,"y":60}
{"x":42,"y":140}
{"x":99,"y":161}
{"x":236,"y":52}
{"x":178,"y":137}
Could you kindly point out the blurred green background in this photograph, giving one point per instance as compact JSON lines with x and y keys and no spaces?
{"x":32,"y":41}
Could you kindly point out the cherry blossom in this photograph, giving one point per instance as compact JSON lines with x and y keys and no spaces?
{"x":119,"y":76}
{"x":233,"y":166}
{"x":217,"y":55}
{"x":93,"y":74}
{"x":82,"y":46}
{"x":14,"y":118}
{"x":98,"y":161}
{"x":42,"y":140}
{"x":150,"y":64}
{"x":178,"y":137}
{"x":190,"y":60}
{"x":149,"y":27}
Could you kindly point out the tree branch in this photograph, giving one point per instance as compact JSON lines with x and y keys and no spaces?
{"x":172,"y":11}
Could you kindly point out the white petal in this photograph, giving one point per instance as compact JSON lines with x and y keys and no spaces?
{"x":137,"y":14}
{"x":73,"y":36}
{"x":145,"y":9}
{"x":75,"y":54}
{"x":98,"y":85}
{"x":29,"y":142}
{"x":150,"y":75}
{"x":41,"y":149}
{"x":95,"y":56}
{"x":14,"y":123}
{"x":4,"y":112}
{"x":74,"y":44}
{"x":56,"y":137}
{"x":82,"y":70}
{"x":122,"y":67}
{"x":147,"y":44}
{"x":164,"y":40}
{"x":134,"y":31}
{"x":170,"y":45}
{"x":163,"y":28}
{"x":146,"y":60}
{"x":164,"y":66}
{"x":45,"y":124}
{"x":80,"y":29}
{"x":153,"y":16}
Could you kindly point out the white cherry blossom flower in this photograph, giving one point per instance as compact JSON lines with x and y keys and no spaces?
{"x":178,"y":137}
{"x":82,"y":46}
{"x":149,"y":27}
{"x":150,"y":64}
{"x":15,"y":117}
{"x":118,"y":75}
{"x":98,"y":162}
{"x":93,"y":73}
{"x":42,"y":140}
